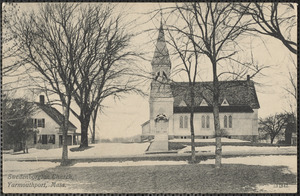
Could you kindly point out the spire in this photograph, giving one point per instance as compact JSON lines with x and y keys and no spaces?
{"x":161,"y":53}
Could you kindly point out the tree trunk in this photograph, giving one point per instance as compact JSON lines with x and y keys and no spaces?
{"x":216,"y":94}
{"x":94,"y":118}
{"x":218,"y":152}
{"x":272,"y":140}
{"x":193,"y":158}
{"x":84,"y":133}
{"x":65,"y":126}
{"x":25,"y":146}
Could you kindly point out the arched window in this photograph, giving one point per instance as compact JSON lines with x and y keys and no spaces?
{"x":203,"y":122}
{"x":230,"y":121}
{"x":207,"y":121}
{"x":225,"y":121}
{"x":185,"y":122}
{"x":181,"y":122}
{"x":164,"y":75}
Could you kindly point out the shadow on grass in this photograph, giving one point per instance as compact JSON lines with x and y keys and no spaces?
{"x":77,"y":149}
{"x":194,"y":178}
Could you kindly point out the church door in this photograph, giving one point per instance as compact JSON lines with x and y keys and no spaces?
{"x":162,"y":126}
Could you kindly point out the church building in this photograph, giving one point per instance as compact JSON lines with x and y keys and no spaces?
{"x":169,"y":105}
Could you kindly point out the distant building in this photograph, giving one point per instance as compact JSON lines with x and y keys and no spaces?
{"x":47,"y":125}
{"x":290,"y":131}
{"x":169,"y":104}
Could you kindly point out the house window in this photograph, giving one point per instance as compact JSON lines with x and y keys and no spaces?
{"x":207,"y":121}
{"x":44,"y":139}
{"x":181,"y":122}
{"x":230,"y":121}
{"x":41,"y":123}
{"x":51,"y":139}
{"x":203,"y":122}
{"x":225,"y":121}
{"x":185,"y":122}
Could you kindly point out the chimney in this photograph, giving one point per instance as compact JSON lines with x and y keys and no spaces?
{"x":248,"y":77}
{"x":42,"y":99}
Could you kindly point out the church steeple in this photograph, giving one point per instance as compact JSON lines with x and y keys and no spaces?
{"x":161,"y":54}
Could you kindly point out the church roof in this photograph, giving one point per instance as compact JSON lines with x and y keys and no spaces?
{"x":237,"y":93}
{"x":161,"y":53}
{"x":209,"y":109}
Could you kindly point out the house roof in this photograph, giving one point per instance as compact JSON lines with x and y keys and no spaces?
{"x":145,"y":123}
{"x":54,"y":114}
{"x":237,"y":93}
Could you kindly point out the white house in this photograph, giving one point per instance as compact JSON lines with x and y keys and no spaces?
{"x":238,"y":104}
{"x":47,"y":125}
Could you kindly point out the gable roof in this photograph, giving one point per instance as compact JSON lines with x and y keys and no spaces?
{"x":54,"y":114}
{"x":182,"y":103}
{"x":237,"y":93}
{"x":225,"y":102}
{"x":203,"y":103}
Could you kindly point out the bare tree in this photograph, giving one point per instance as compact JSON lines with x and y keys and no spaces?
{"x":291,"y":87}
{"x":103,"y":56}
{"x":273,"y":19}
{"x":273,"y":125}
{"x":9,"y":48}
{"x":213,"y":30}
{"x":46,"y":38}
{"x":13,"y":76}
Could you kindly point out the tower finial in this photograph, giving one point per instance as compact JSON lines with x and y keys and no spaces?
{"x":161,"y":18}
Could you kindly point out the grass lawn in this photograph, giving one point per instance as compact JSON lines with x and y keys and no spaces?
{"x":234,"y":178}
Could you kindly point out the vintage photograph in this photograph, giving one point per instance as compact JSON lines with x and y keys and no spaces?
{"x":103,"y":97}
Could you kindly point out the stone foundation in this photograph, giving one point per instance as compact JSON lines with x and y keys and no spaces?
{"x":252,"y":138}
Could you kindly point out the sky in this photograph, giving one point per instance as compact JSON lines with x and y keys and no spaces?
{"x":123,"y":118}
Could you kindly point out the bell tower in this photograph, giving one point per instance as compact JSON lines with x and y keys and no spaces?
{"x":161,"y":99}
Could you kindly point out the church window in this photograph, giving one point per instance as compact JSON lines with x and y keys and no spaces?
{"x":203,"y":122}
{"x":225,"y":121}
{"x":207,"y":121}
{"x":185,"y":122}
{"x":181,"y":122}
{"x":230,"y":121}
